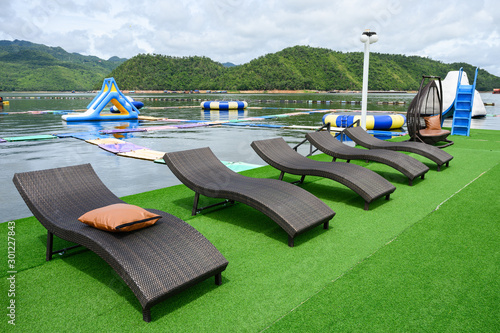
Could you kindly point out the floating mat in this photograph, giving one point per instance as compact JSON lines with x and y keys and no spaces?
{"x":55,"y":112}
{"x":176,"y":120}
{"x":144,"y":154}
{"x":240,"y":166}
{"x":253,"y":125}
{"x":79,"y":135}
{"x":191,"y":125}
{"x":116,"y":148}
{"x":2,"y":140}
{"x":149,"y":118}
{"x":235,"y":166}
{"x":30,"y":137}
{"x":122,"y":130}
{"x":104,"y":141}
{"x":160,"y":128}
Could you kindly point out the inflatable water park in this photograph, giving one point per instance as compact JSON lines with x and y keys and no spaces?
{"x":123,"y":108}
{"x":375,"y":122}
{"x":455,"y":89}
{"x":224,"y":105}
{"x":456,"y":85}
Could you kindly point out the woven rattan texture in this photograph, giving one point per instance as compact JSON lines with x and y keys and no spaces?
{"x":362,"y":138}
{"x":292,"y":208}
{"x":368,"y":184}
{"x":155,"y":262}
{"x":407,"y":165}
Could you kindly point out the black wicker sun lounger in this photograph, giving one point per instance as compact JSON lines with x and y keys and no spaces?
{"x":368,"y":184}
{"x":294,"y":209}
{"x":155,"y":262}
{"x":362,"y":138}
{"x":407,"y":165}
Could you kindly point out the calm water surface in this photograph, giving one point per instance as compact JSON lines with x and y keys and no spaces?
{"x":125,"y":176}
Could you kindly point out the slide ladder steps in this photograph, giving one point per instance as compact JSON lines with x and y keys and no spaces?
{"x":463,"y":108}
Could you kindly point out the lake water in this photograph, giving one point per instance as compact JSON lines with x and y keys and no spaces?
{"x":126,"y":176}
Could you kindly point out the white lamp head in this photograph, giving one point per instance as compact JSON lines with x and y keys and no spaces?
{"x":364,"y":38}
{"x":368,"y":35}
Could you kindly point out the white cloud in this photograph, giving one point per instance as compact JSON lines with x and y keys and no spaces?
{"x":241,"y":30}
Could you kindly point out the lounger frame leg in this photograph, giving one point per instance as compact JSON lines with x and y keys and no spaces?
{"x":195,"y":204}
{"x":295,"y":182}
{"x":218,"y":279}
{"x":367,"y":205}
{"x":290,"y":241}
{"x":146,"y":315}
{"x":50,"y":244}
{"x":300,"y":181}
{"x":197,"y":210}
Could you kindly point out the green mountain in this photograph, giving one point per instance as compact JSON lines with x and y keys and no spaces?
{"x":294,"y":68}
{"x":29,"y":66}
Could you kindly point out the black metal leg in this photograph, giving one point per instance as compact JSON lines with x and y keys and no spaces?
{"x":218,"y":279}
{"x":423,"y":176}
{"x":195,"y":204}
{"x":290,"y":241}
{"x":326,"y":225}
{"x":281,"y":175}
{"x":387,"y":197}
{"x":50,"y":242}
{"x":302,"y":179}
{"x":367,"y":205}
{"x":334,"y":159}
{"x":146,"y":315}
{"x":410,"y":182}
{"x":439,"y":168}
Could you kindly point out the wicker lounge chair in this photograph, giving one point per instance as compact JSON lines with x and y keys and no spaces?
{"x":407,"y":165}
{"x":155,"y":262}
{"x":295,"y":210}
{"x":425,"y":113}
{"x":362,"y":138}
{"x":368,"y":184}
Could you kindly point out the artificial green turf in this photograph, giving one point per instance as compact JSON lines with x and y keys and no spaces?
{"x":330,"y":279}
{"x":441,"y":274}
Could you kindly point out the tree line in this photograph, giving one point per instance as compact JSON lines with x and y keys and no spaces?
{"x":294,"y":68}
{"x":28,"y":66}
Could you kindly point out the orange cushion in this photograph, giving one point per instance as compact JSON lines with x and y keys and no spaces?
{"x":119,"y":218}
{"x":432,"y":123}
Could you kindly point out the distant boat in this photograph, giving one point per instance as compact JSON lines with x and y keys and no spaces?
{"x":496,"y":91}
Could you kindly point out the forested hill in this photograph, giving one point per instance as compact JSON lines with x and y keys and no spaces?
{"x":29,"y":66}
{"x":294,"y":68}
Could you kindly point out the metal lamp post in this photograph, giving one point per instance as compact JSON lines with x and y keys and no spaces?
{"x":367,"y":37}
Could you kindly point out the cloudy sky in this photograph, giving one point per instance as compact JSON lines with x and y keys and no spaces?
{"x":238,"y":31}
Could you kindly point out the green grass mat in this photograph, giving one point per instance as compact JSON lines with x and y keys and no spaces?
{"x":441,"y":274}
{"x":402,"y":265}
